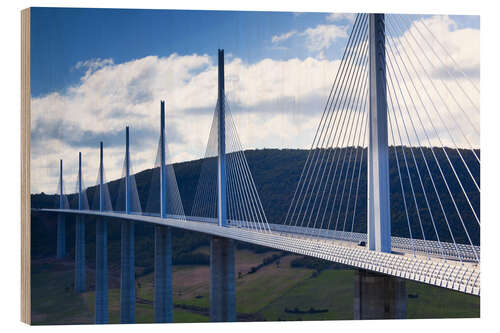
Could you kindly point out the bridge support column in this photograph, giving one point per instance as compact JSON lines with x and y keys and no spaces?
{"x":163,"y":304}
{"x":127,"y":286}
{"x":80,"y":255}
{"x":61,"y":236}
{"x":101,"y":255}
{"x":101,"y":272}
{"x":222,"y":280}
{"x":378,"y":296}
{"x":61,"y":220}
{"x":80,"y":237}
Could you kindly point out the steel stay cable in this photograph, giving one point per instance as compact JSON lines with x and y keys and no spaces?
{"x":410,"y":179}
{"x":343,"y":113}
{"x":439,"y":115}
{"x":331,"y":141}
{"x":401,"y":181}
{"x":243,"y":193}
{"x":359,"y":178}
{"x":320,"y":153}
{"x":238,"y":188}
{"x":342,"y":65}
{"x":239,"y":211}
{"x":246,"y":168}
{"x":346,"y":108}
{"x":244,"y":186}
{"x":447,"y":88}
{"x":337,"y":187}
{"x":335,"y":140}
{"x":197,"y":208}
{"x":437,"y":162}
{"x":338,"y":160}
{"x":360,"y":110}
{"x":420,"y":148}
{"x":329,"y":117}
{"x":446,"y":154}
{"x":419,"y":20}
{"x":210,"y":202}
{"x":243,"y":203}
{"x":232,"y":208}
{"x":456,"y":123}
{"x":342,"y":170}
{"x":358,"y":148}
{"x":241,"y":187}
{"x":253,"y":188}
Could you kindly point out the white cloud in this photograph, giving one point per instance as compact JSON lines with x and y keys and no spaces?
{"x":334,"y":17}
{"x":419,"y":78}
{"x":116,"y":95}
{"x":274,"y":103}
{"x":323,"y":35}
{"x":283,"y":37}
{"x":316,"y":39}
{"x":92,"y":65}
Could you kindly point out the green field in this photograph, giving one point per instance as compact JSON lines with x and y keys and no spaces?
{"x":263,"y":295}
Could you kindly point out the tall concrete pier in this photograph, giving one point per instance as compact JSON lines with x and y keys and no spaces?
{"x":379,"y":296}
{"x":101,"y":253}
{"x":127,"y":285}
{"x":80,"y":284}
{"x":163,"y":305}
{"x":101,"y":280}
{"x":222,"y":288}
{"x":222,"y":277}
{"x":61,"y":221}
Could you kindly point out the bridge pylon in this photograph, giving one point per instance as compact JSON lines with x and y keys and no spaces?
{"x":61,"y":221}
{"x":222,"y":277}
{"x":221,"y":158}
{"x":379,"y":212}
{"x":101,"y":252}
{"x":163,"y":304}
{"x":378,"y":296}
{"x":80,"y":283}
{"x":127,"y":281}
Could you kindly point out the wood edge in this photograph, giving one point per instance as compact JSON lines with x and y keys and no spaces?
{"x":25,"y":167}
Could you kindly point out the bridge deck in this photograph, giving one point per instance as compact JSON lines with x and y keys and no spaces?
{"x":339,"y":247}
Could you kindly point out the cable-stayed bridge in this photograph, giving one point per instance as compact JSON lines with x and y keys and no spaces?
{"x":391,"y":97}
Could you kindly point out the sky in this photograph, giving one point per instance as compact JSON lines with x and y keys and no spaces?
{"x":94,"y":71}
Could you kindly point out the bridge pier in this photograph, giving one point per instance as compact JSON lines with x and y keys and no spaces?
{"x":80,"y":237}
{"x":101,"y":254}
{"x":80,"y":255}
{"x":222,"y":280}
{"x":378,"y":296}
{"x":127,"y":285}
{"x":101,"y":272}
{"x":163,"y":305}
{"x":61,"y":236}
{"x":61,"y":219}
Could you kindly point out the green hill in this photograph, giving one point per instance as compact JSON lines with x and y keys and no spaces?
{"x":298,"y":283}
{"x":276,"y":173}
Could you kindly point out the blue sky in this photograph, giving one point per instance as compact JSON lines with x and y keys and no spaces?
{"x":94,"y":71}
{"x":61,"y":37}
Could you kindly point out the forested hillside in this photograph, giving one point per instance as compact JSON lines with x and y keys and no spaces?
{"x":276,"y":174}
